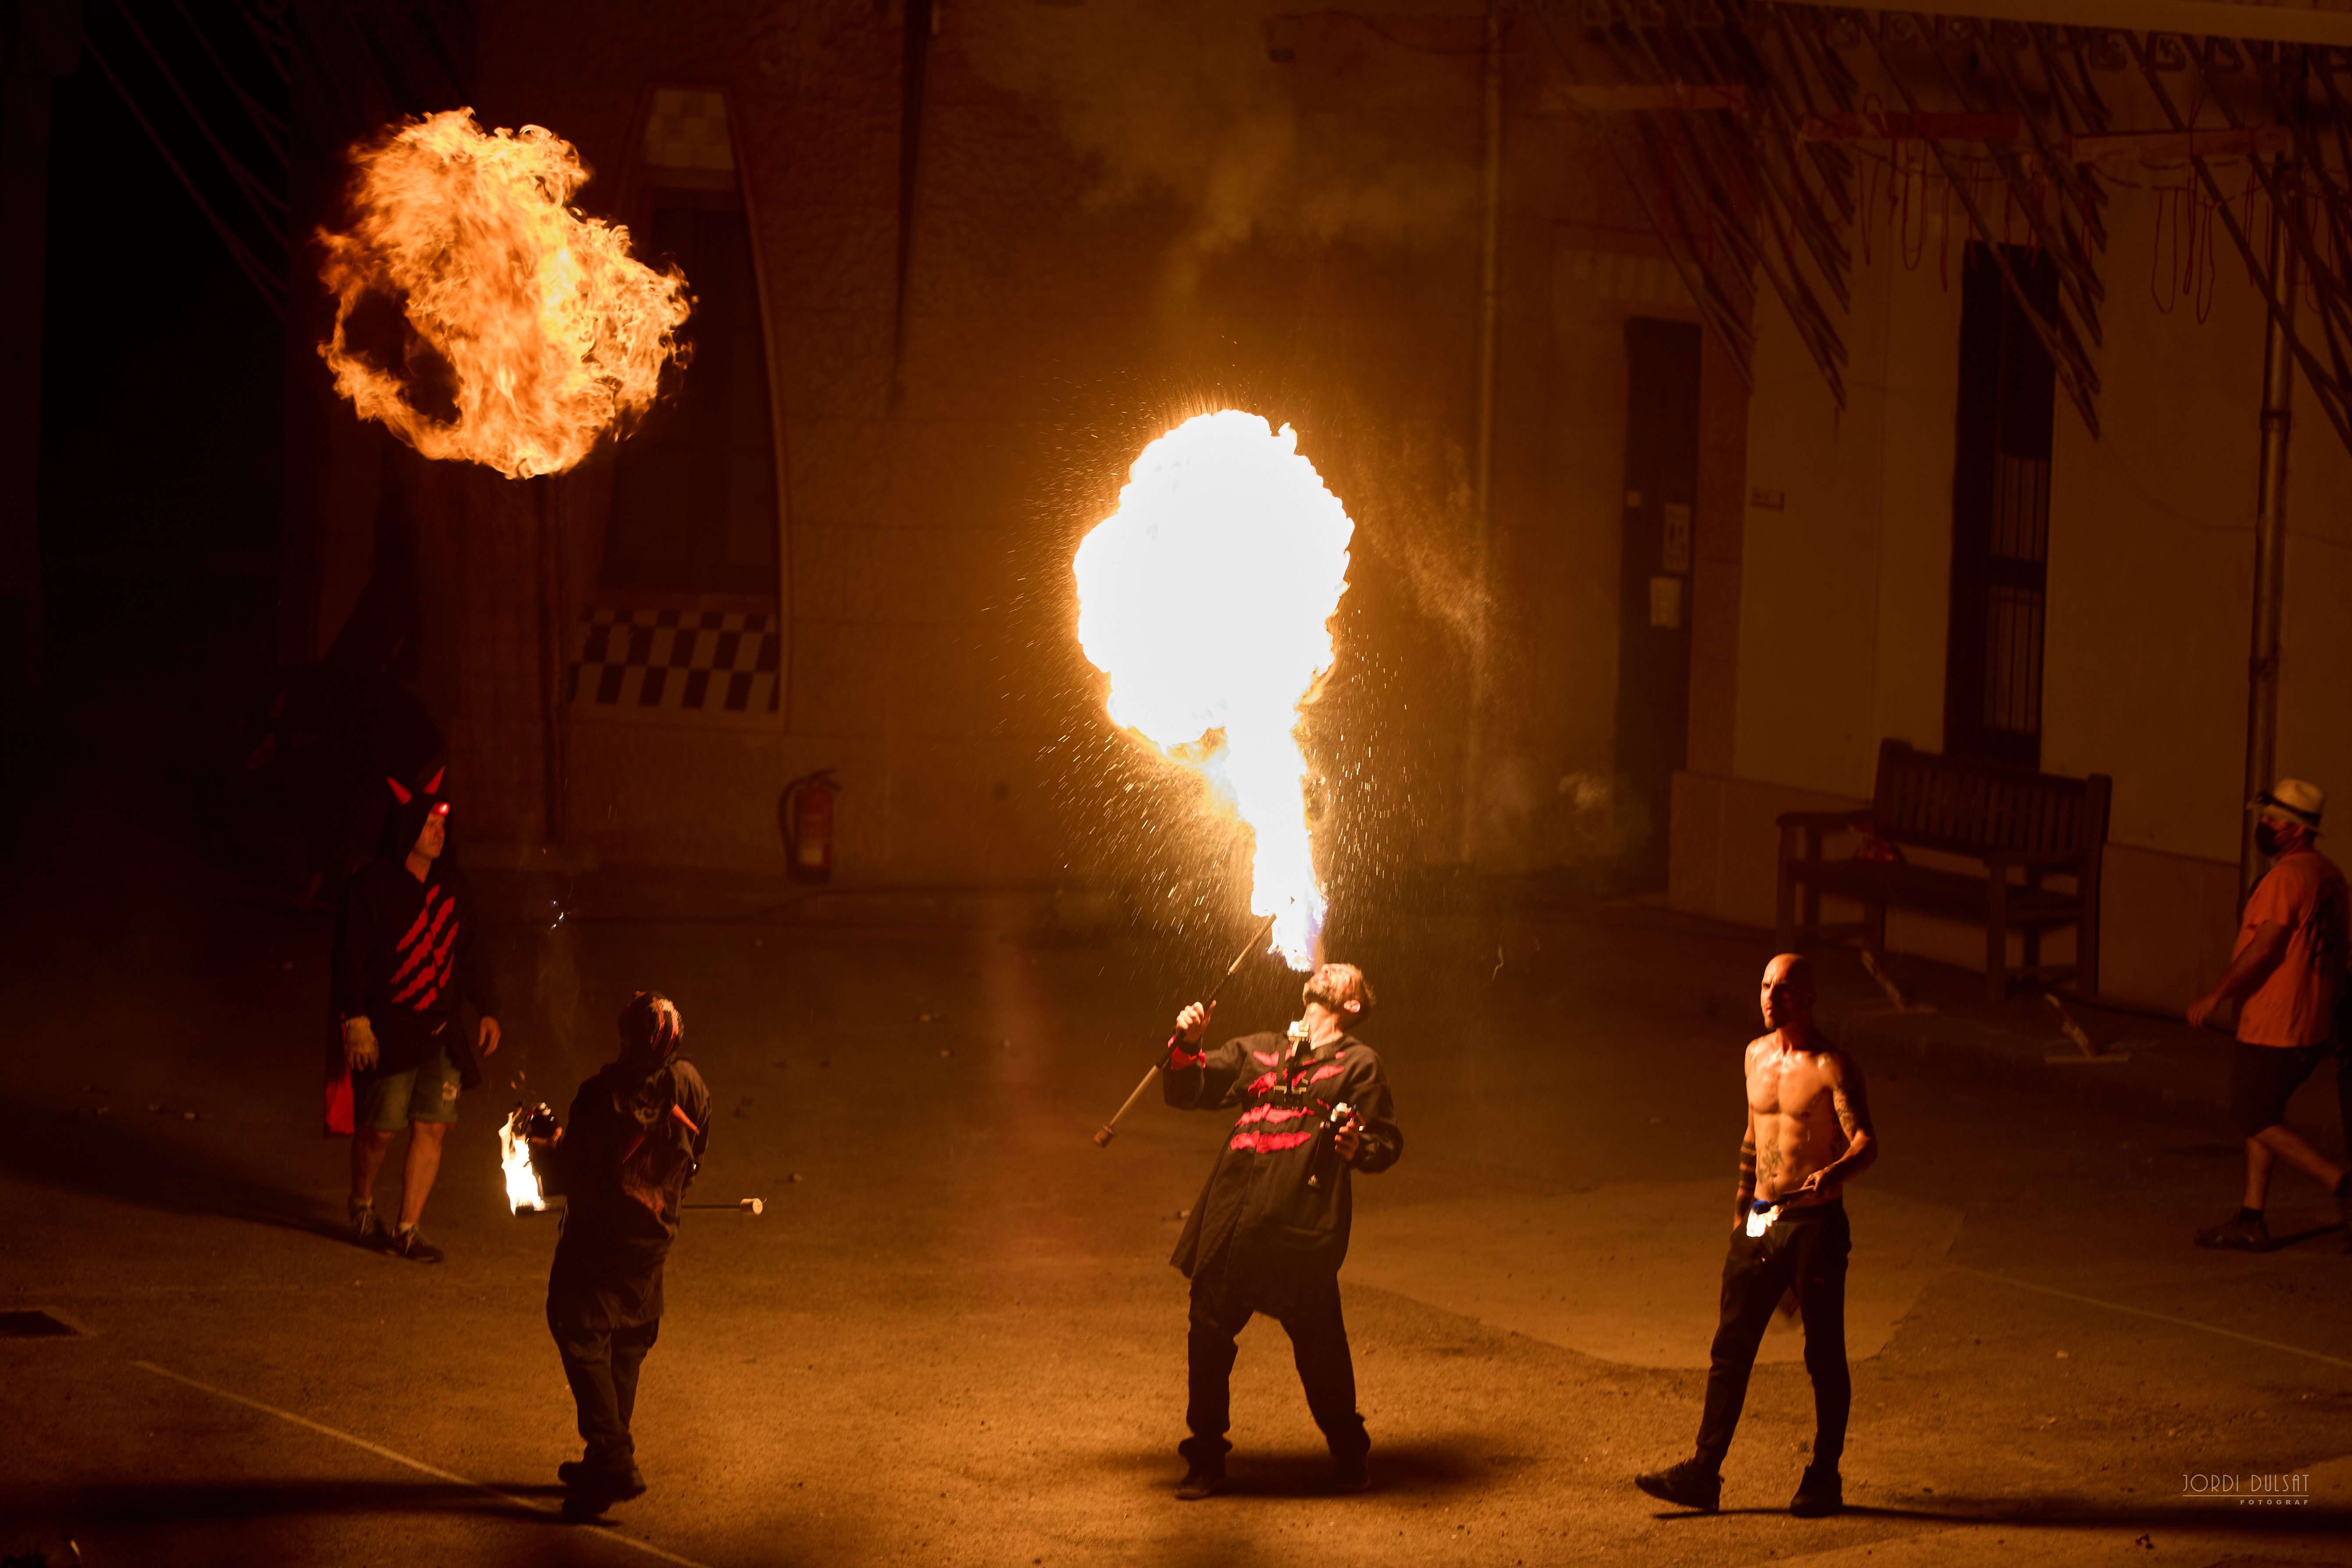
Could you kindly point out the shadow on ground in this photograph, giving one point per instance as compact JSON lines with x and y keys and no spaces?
{"x":2067,"y":1513}
{"x":1422,"y":1469}
{"x":133,"y":1160}
{"x":182,"y":1509}
{"x":198,"y":1502}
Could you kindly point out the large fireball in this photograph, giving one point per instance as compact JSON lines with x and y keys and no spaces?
{"x":479,"y":317}
{"x":1207,"y":598}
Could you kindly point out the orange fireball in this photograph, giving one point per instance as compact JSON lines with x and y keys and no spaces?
{"x":480,"y":318}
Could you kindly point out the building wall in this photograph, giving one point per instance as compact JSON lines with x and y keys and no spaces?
{"x":2150,"y":580}
{"x":1842,"y":609}
{"x":1090,"y":262}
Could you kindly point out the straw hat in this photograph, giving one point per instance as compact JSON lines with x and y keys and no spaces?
{"x":2293,"y":798}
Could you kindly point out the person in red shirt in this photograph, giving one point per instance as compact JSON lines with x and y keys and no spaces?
{"x":2285,"y":972}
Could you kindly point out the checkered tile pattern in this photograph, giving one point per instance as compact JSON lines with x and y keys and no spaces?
{"x":701,"y":661}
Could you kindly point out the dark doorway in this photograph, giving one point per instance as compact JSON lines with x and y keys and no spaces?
{"x":1654,"y":657}
{"x":2001,"y":512}
{"x":694,"y":495}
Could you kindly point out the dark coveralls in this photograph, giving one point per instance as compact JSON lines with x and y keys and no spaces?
{"x":634,"y":1140}
{"x":1263,"y":1237}
{"x":1805,"y":1249}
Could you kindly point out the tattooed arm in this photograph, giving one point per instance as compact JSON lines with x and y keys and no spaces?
{"x":1850,"y":1101}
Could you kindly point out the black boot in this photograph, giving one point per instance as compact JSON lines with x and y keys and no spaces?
{"x":1821,"y":1493}
{"x":1693,"y":1484}
{"x":591,"y":1487}
{"x":1203,"y":1478}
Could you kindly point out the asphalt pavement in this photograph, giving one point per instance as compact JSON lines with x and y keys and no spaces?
{"x":953,"y":1336}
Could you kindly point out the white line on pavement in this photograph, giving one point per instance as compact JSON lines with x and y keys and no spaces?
{"x":2159,"y":1317}
{"x":606,"y":1534}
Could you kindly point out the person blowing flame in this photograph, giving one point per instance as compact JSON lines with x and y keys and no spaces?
{"x":633,"y":1140}
{"x":1270,"y":1227}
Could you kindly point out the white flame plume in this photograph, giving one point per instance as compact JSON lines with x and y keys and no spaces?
{"x":514,"y":1161}
{"x":1207,"y":598}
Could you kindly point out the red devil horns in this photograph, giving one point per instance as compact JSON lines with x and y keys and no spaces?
{"x":401,"y":793}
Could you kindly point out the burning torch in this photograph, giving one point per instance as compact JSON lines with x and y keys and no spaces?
{"x":1109,"y":1128}
{"x":524,"y":1143}
{"x":528,"y":1141}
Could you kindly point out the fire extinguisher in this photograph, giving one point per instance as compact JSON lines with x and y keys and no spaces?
{"x":806,"y":812}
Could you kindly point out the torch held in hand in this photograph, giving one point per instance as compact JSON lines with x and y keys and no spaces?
{"x":1108,"y":1130}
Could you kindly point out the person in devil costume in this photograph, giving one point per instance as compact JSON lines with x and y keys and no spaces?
{"x":407,"y":952}
{"x":1270,"y":1228}
{"x":636,"y":1137}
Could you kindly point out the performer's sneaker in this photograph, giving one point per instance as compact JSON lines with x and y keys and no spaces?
{"x":1353,"y":1475}
{"x":1200,"y":1481}
{"x":2237,"y":1235}
{"x":1820,"y":1494}
{"x":1690,"y":1484}
{"x":411,"y":1244}
{"x":366,"y":1229}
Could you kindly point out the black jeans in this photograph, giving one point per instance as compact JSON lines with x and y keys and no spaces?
{"x":1808,"y":1253}
{"x":602,"y":1366}
{"x":2343,"y":1085}
{"x":1309,"y":1312}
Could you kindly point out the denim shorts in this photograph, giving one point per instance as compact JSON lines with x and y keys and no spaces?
{"x":388,"y":1101}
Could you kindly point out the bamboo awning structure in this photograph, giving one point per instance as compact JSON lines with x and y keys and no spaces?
{"x":1736,"y":124}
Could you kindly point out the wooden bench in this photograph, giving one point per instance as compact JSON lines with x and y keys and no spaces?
{"x":2013,"y":819}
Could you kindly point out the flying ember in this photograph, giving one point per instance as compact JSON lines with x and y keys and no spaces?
{"x":1207,"y":598}
{"x":477,"y":315}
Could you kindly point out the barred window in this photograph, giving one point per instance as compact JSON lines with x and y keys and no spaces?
{"x":2000,"y":513}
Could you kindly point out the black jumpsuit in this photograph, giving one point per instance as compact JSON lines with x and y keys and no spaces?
{"x":634,"y":1137}
{"x":1270,"y":1228}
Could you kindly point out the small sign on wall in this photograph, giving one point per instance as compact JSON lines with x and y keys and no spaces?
{"x":1678,"y":537}
{"x":1667,"y":603}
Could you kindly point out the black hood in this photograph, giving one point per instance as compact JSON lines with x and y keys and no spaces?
{"x":404,"y":822}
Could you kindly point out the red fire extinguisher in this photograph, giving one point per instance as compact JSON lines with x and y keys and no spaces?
{"x":807,"y":812}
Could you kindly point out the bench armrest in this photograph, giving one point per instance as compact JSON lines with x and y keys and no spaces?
{"x":1829,"y":821}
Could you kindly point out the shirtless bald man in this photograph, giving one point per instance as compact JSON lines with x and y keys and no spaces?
{"x":1809,"y":1133}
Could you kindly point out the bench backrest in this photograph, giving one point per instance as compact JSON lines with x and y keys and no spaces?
{"x":1965,"y":806}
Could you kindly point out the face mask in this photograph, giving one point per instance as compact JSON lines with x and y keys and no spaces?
{"x":2266,"y":838}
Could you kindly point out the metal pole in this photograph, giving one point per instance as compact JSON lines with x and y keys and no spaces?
{"x":1490,"y":77}
{"x":553,"y":759}
{"x":2270,"y":535}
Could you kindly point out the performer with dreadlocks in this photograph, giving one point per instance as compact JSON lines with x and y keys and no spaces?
{"x":634,"y":1139}
{"x":406,"y":953}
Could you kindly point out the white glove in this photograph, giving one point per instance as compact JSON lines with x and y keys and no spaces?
{"x":359,"y":1045}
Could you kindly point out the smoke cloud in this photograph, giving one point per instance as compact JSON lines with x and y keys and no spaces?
{"x":1186,"y":101}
